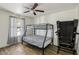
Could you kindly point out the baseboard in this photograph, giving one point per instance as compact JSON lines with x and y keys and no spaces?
{"x":8,"y":45}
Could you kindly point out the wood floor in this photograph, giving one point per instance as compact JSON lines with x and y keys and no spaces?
{"x":25,"y":49}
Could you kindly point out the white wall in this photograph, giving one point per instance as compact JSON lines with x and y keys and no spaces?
{"x":77,"y":38}
{"x":29,"y":20}
{"x":53,"y":17}
{"x":4,"y":26}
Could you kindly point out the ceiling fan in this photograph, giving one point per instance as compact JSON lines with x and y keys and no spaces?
{"x":34,"y":9}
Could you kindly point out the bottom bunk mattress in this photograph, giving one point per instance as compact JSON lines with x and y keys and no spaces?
{"x":37,"y":40}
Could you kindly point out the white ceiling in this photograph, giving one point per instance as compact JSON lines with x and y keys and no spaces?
{"x":18,"y":8}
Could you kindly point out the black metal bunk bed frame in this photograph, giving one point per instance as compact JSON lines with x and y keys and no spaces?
{"x":46,"y":28}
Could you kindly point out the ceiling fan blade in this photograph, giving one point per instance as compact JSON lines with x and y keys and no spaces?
{"x":39,"y":10}
{"x":27,"y":7}
{"x":34,"y":13}
{"x":26,"y":11}
{"x":35,"y":5}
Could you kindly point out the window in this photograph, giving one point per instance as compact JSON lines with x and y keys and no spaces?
{"x":17,"y":26}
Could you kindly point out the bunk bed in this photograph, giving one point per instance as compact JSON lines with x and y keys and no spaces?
{"x":41,"y":41}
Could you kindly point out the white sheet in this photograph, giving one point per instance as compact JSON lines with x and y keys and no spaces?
{"x":37,"y":40}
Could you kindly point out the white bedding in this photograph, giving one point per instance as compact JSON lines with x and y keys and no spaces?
{"x":37,"y":40}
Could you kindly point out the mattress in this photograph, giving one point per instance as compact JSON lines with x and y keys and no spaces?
{"x":37,"y":40}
